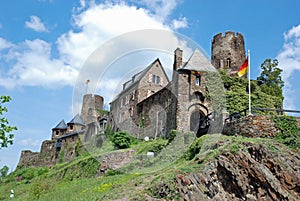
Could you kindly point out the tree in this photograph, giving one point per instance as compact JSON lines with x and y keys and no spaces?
{"x":6,"y":136}
{"x":270,"y":78}
{"x":4,"y":171}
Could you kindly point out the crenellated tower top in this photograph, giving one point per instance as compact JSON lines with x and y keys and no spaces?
{"x":228,"y":51}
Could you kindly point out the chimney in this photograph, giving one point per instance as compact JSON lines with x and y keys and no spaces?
{"x":177,"y":59}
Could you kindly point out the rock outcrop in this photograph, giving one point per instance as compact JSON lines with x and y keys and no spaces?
{"x":252,"y":173}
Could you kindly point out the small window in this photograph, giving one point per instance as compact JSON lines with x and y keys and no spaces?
{"x":157,"y":79}
{"x":56,"y":132}
{"x":71,"y":127}
{"x":228,"y":63}
{"x":153,"y":78}
{"x":198,"y":80}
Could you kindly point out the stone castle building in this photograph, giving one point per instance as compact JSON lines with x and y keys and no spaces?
{"x":150,"y":104}
{"x":65,"y":137}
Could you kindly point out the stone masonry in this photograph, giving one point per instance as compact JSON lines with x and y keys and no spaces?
{"x":251,"y":126}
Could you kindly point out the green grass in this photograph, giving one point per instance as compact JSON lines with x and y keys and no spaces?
{"x":76,"y":180}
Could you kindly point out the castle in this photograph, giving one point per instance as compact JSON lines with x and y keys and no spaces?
{"x":150,"y":104}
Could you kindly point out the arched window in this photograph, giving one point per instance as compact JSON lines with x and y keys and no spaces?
{"x":228,"y":63}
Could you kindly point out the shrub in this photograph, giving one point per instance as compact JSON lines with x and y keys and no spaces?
{"x":122,"y":140}
{"x":195,"y":148}
{"x":289,"y":131}
{"x":172,"y":135}
{"x":153,"y":146}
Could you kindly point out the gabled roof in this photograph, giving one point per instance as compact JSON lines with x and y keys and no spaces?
{"x":199,"y":62}
{"x":77,"y":120}
{"x":138,"y":76}
{"x":61,"y":125}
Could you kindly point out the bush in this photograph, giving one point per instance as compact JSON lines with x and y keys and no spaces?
{"x":153,"y":146}
{"x":289,"y":131}
{"x":172,"y":135}
{"x":195,"y":148}
{"x":122,"y":140}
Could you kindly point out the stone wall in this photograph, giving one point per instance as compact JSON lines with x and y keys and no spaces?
{"x":115,"y":160}
{"x":28,"y":158}
{"x":251,"y":126}
{"x":47,"y":154}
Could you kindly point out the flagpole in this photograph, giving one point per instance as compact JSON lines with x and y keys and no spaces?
{"x":249,"y":87}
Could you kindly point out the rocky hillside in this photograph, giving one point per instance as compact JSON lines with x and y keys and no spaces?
{"x":215,"y":167}
{"x":253,"y":172}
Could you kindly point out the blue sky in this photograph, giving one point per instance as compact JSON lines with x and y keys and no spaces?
{"x":44,"y":44}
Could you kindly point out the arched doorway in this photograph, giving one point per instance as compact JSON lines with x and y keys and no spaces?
{"x":199,"y":123}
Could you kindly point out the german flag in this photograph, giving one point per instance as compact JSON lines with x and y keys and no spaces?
{"x":243,"y":69}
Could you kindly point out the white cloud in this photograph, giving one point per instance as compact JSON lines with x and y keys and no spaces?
{"x":33,"y":64}
{"x":289,"y":61}
{"x":161,"y":8}
{"x":29,"y":142}
{"x":179,"y":23}
{"x":4,"y":44}
{"x":36,"y":24}
{"x":100,"y":23}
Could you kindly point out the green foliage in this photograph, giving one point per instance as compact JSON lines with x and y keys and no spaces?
{"x":40,"y":187}
{"x":172,"y":135}
{"x":112,"y":172}
{"x":195,"y":147}
{"x":61,"y":156}
{"x":270,"y":78}
{"x":26,"y":174}
{"x":78,"y":147}
{"x":152,"y":146}
{"x":3,"y":172}
{"x":215,"y":91}
{"x":122,"y":140}
{"x":6,"y":136}
{"x":264,"y":92}
{"x":289,"y":131}
{"x":108,"y":132}
{"x":235,"y":148}
{"x":102,"y":112}
{"x":86,"y":167}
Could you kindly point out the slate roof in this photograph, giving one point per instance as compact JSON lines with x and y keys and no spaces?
{"x":77,"y":120}
{"x":199,"y":62}
{"x":61,"y":125}
{"x":71,"y":134}
{"x":138,"y":76}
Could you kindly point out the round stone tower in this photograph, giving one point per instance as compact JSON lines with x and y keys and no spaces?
{"x":228,"y":52}
{"x":89,"y":108}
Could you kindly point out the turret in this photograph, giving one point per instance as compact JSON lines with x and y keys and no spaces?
{"x":90,"y":104}
{"x":228,"y":52}
{"x":59,"y":130}
{"x":76,"y":124}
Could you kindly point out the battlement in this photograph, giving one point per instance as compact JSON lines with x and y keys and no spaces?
{"x":228,"y":35}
